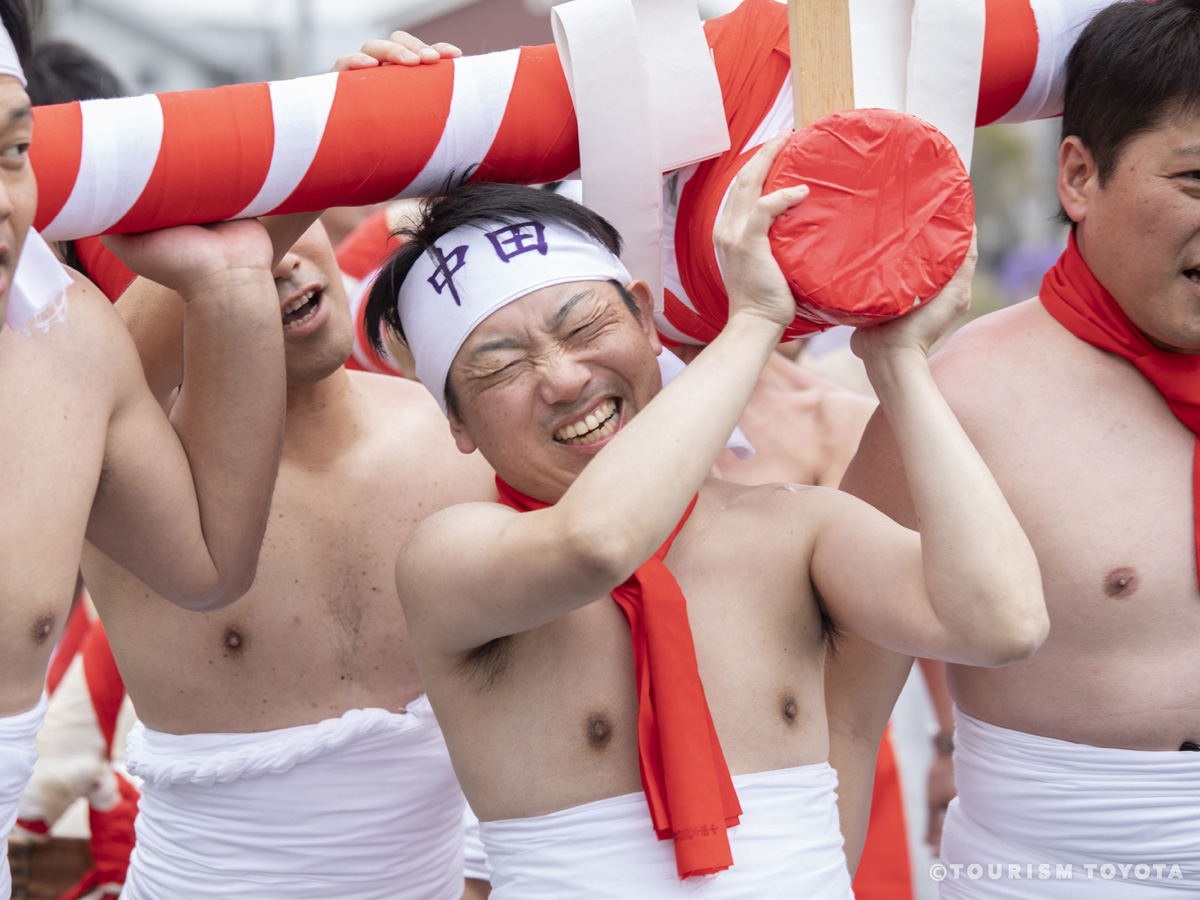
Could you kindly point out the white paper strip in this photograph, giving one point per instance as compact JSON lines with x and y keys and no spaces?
{"x":880,"y":34}
{"x":685,"y":93}
{"x":618,"y":150}
{"x":647,"y":101}
{"x":944,"y":69}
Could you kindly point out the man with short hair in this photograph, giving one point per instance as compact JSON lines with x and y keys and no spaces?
{"x":285,"y":745}
{"x":541,"y":349}
{"x":1076,"y":770}
{"x":87,"y":451}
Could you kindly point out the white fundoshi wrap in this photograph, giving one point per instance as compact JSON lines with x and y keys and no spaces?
{"x":472,"y":271}
{"x":38,"y":295}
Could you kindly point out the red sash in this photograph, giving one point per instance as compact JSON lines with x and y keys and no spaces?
{"x":1071,"y":293}
{"x":684,"y":775}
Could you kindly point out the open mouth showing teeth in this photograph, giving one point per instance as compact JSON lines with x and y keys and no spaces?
{"x":593,"y":427}
{"x":301,"y":309}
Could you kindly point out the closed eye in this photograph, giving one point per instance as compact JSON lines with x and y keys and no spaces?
{"x":584,"y":327}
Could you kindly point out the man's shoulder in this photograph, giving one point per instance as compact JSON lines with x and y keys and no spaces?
{"x":760,"y":509}
{"x":87,"y":350}
{"x":413,"y":438}
{"x":1004,"y":355}
{"x":405,"y":405}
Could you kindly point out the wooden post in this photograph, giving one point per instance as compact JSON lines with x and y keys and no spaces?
{"x":822,"y":72}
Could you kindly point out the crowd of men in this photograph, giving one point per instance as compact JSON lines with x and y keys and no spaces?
{"x":504,"y":631}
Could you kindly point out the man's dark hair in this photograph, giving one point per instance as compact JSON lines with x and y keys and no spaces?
{"x":474,"y":204}
{"x":62,"y":71}
{"x":1135,"y":64}
{"x":18,"y":17}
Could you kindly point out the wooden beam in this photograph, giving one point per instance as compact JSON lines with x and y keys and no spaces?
{"x":822,"y":72}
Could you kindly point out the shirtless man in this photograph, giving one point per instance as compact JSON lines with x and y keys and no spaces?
{"x":1070,"y":777}
{"x":285,"y":745}
{"x":86,"y":449}
{"x":546,"y":366}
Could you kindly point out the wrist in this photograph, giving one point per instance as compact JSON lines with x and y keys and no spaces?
{"x":223,"y":283}
{"x":754,"y":325}
{"x":943,"y":742}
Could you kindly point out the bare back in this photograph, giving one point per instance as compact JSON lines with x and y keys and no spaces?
{"x":804,"y":428}
{"x":321,"y":631}
{"x":554,"y":709}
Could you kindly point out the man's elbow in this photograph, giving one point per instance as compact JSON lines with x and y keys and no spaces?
{"x":604,"y":557}
{"x":1016,"y":638}
{"x":215,"y":594}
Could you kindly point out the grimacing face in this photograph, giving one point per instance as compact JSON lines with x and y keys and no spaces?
{"x":544,"y":383}
{"x":317,"y":328}
{"x":18,"y":190}
{"x":1140,"y":232}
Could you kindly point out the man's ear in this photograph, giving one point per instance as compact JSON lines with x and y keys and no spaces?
{"x":1078,"y":177}
{"x":462,"y":440}
{"x":645,"y":300}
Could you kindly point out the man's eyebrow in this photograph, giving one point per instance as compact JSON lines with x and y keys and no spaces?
{"x":17,"y":115}
{"x":505,"y":343}
{"x":565,"y":310}
{"x":1190,"y":150}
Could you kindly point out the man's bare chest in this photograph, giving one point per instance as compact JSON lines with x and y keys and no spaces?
{"x":1103,"y":488}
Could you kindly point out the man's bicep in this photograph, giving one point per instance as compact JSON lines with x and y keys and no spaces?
{"x":146,"y":514}
{"x":870,"y":573}
{"x":479,"y":571}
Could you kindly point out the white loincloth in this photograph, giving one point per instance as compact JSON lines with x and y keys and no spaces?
{"x":1125,"y":822}
{"x":362,"y":807}
{"x":477,"y":863}
{"x":788,"y":845}
{"x":18,"y":753}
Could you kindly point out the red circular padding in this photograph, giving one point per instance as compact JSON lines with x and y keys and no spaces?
{"x":888,"y":220}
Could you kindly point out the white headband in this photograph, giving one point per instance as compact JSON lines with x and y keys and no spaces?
{"x":9,"y":63}
{"x":474,"y":270}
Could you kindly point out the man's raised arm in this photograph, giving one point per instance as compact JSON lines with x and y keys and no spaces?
{"x":967,"y":589}
{"x":185,"y":507}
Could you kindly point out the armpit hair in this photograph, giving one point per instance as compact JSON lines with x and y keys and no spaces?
{"x":487,"y":663}
{"x":829,"y":630}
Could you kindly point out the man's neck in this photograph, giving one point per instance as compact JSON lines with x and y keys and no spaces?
{"x":324,"y":419}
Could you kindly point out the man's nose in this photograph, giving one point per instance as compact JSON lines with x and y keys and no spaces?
{"x":563,"y":378}
{"x":286,"y":266}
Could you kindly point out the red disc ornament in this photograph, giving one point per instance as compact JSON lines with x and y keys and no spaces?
{"x":887,"y":223}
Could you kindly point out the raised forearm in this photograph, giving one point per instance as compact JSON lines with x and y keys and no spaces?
{"x":630,"y":497}
{"x":980,"y":572}
{"x":229,"y":416}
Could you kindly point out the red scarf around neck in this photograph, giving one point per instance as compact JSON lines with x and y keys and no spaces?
{"x":684,"y":775}
{"x":1071,"y":293}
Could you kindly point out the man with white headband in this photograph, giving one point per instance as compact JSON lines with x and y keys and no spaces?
{"x":86,"y":450}
{"x":1077,"y":771}
{"x":575,"y":749}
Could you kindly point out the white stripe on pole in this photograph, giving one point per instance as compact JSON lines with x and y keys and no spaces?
{"x":477,"y":106}
{"x":121,"y":141}
{"x":944,"y":67}
{"x":299,"y":110}
{"x":1058,"y":23}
